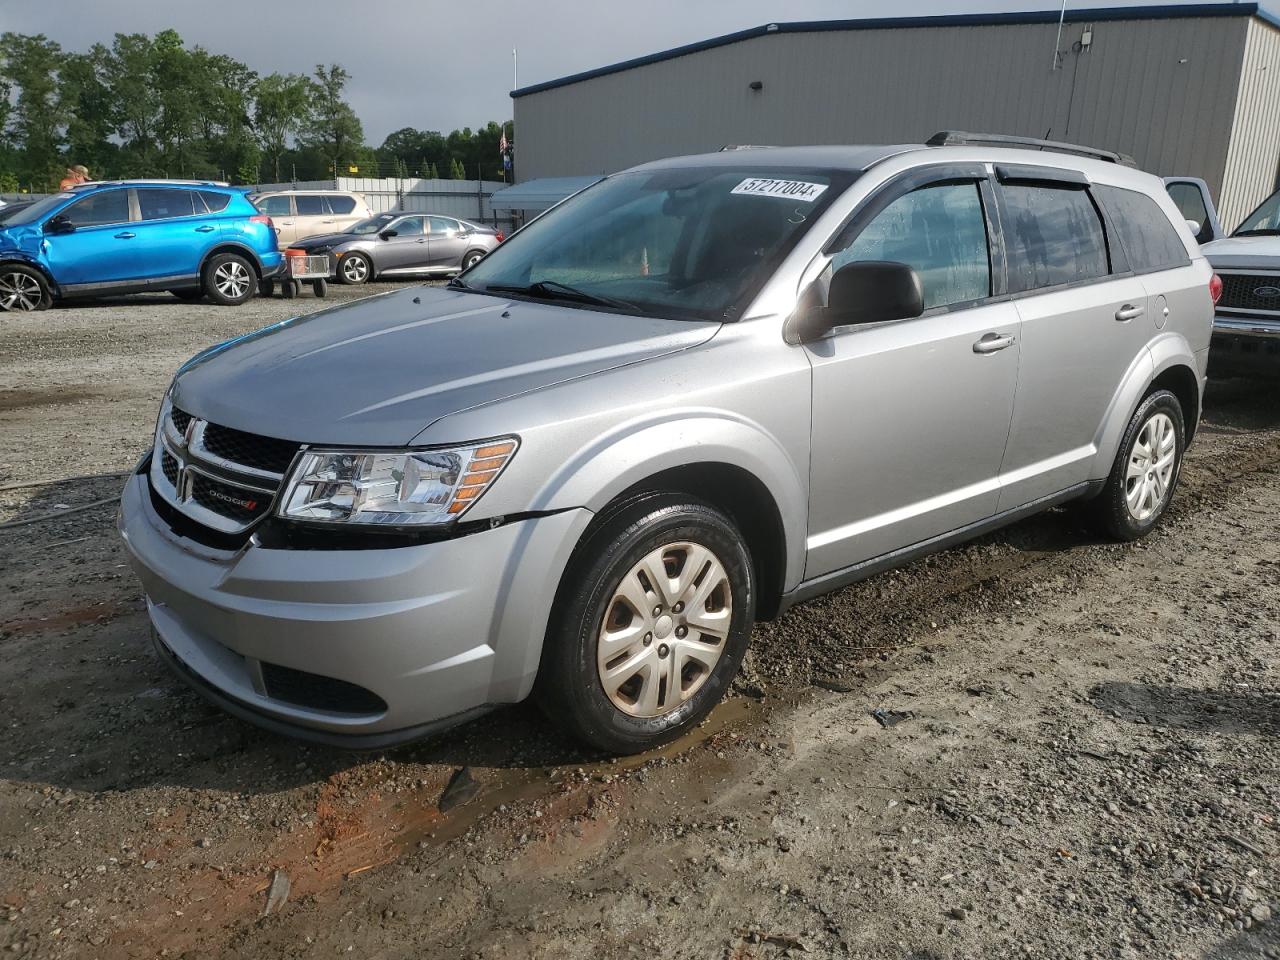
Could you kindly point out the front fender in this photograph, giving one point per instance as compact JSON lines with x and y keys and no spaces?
{"x":14,"y":255}
{"x":637,"y":449}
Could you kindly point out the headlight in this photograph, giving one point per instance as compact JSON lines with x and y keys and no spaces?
{"x":399,"y":488}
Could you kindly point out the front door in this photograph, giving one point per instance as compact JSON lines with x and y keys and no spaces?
{"x":910,"y":417}
{"x":103,"y":246}
{"x":407,"y":250}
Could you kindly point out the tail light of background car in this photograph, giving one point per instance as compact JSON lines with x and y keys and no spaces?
{"x":500,"y":236}
{"x":1215,"y":289}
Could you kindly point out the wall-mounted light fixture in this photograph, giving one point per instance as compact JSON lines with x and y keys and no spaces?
{"x":756,"y":84}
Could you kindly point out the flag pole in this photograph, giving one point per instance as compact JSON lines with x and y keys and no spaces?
{"x":1057,"y":43}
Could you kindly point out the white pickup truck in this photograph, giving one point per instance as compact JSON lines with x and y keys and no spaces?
{"x":1246,"y":323}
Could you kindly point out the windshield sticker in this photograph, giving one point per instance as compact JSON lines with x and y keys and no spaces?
{"x":786,"y":189}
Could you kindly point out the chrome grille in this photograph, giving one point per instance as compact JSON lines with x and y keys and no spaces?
{"x":1240,"y":291}
{"x":222,"y":478}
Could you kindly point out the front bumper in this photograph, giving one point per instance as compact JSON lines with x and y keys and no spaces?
{"x":432,"y":632}
{"x":1244,"y":345}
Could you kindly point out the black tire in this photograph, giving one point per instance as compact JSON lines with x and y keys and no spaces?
{"x":229,"y":279}
{"x":472,"y":257}
{"x":569,"y":687}
{"x":354,"y":269}
{"x":290,"y":289}
{"x":23,"y":288}
{"x":188,"y":293}
{"x":320,"y":287}
{"x":267,"y":288}
{"x":1110,"y":511}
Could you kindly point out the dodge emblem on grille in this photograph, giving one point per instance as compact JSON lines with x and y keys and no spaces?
{"x":1266,"y":293}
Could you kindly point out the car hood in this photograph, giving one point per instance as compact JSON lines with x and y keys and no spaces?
{"x":1244,"y":253}
{"x":378,"y":372}
{"x":325,"y":240}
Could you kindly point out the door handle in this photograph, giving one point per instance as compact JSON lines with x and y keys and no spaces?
{"x":1129,"y":311}
{"x":204,"y":229}
{"x":125,"y":235}
{"x":991,"y":342}
{"x":422,"y":240}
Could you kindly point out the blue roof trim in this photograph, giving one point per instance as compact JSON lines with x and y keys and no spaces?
{"x":1094,"y":15}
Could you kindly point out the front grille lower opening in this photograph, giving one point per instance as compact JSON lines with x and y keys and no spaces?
{"x":316,"y":692}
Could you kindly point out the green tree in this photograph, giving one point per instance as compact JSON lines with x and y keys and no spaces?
{"x":334,"y":130}
{"x":456,"y":170}
{"x":280,"y":107}
{"x":90,"y":110}
{"x":29,"y":65}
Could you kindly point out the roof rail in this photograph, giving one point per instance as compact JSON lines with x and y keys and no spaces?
{"x":955,"y":138}
{"x":155,"y":180}
{"x":745,"y":146}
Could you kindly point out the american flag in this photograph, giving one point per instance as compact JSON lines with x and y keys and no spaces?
{"x":502,"y":144}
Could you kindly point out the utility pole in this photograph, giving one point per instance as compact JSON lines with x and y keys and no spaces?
{"x":1057,"y":44}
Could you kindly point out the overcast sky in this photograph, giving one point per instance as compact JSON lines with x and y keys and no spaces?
{"x":443,"y":65}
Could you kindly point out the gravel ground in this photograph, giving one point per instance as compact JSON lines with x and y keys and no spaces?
{"x":1085,"y":764}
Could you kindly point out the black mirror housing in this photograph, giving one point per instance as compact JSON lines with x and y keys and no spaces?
{"x":865,"y":291}
{"x":59,"y":224}
{"x":388,"y":234}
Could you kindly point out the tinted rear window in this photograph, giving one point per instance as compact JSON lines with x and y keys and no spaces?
{"x":216,"y":202}
{"x":164,"y":204}
{"x":340,"y":204}
{"x":275,"y":206}
{"x":1053,"y":235}
{"x":1149,"y":239}
{"x":310,"y":205}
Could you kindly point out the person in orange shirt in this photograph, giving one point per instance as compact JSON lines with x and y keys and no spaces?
{"x":75,"y":175}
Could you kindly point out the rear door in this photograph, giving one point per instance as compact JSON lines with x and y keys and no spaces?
{"x":910,"y":417}
{"x":103,"y":247}
{"x":175,"y":229}
{"x":1085,"y":323}
{"x":313,"y":216}
{"x":448,"y":242}
{"x":343,"y":211}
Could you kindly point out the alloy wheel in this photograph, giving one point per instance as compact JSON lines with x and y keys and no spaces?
{"x":664,"y":630}
{"x":1152,"y":462}
{"x":472,"y":260}
{"x":355,"y":269}
{"x":232,"y":279}
{"x":20,"y":291}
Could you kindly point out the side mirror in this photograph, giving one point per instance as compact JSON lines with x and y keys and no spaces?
{"x":1194,"y":227}
{"x":865,"y":291}
{"x":59,"y":224}
{"x":388,"y":234}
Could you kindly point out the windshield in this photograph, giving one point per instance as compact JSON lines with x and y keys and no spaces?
{"x":372,"y":225}
{"x":695,"y":243}
{"x":1266,"y":219}
{"x":38,"y":209}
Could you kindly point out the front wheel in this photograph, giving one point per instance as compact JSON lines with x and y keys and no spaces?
{"x":652,"y":622}
{"x":354,"y":268}
{"x":23,"y":288}
{"x":229,"y":279}
{"x":1145,"y":474}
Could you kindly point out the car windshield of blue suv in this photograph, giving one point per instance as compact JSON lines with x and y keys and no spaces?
{"x":691,"y":243}
{"x":37,"y":210}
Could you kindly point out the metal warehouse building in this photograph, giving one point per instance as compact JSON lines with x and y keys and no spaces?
{"x":1192,"y":90}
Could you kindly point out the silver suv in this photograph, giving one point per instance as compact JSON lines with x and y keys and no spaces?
{"x":686,"y":398}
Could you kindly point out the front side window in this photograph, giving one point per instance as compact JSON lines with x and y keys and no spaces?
{"x":1053,"y":235}
{"x":275,"y":206}
{"x":941,"y":232}
{"x":408,"y":227}
{"x":1148,"y":237}
{"x":111,"y":206}
{"x":687,"y":243}
{"x":310,"y":205}
{"x":162,"y":204}
{"x":1190,"y":203}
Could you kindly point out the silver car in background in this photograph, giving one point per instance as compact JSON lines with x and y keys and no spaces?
{"x":394,"y":244}
{"x":694,"y":394}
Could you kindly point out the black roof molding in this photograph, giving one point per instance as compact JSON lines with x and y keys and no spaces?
{"x":1092,"y":15}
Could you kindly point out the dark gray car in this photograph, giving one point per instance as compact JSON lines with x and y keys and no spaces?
{"x":402,"y":243}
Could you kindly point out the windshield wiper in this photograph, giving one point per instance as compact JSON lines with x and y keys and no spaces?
{"x":555,"y":290}
{"x":457,"y":283}
{"x":1265,"y":232}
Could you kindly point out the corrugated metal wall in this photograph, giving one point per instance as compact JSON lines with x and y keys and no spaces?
{"x":1253,"y":158}
{"x":1162,"y":90}
{"x":468,"y":199}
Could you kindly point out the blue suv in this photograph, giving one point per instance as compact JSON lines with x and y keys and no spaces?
{"x":192,"y":238}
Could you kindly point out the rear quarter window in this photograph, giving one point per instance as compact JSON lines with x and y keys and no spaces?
{"x":1149,"y":239}
{"x":340,"y":204}
{"x":216,"y":202}
{"x":1053,"y":236}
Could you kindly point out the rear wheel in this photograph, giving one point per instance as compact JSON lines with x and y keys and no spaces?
{"x":354,"y":268}
{"x":651,"y":624}
{"x":23,"y":288}
{"x":229,"y":279}
{"x":1145,"y":474}
{"x":471,"y":258}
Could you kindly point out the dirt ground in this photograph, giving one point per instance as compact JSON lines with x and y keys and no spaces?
{"x":1086,"y":765}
